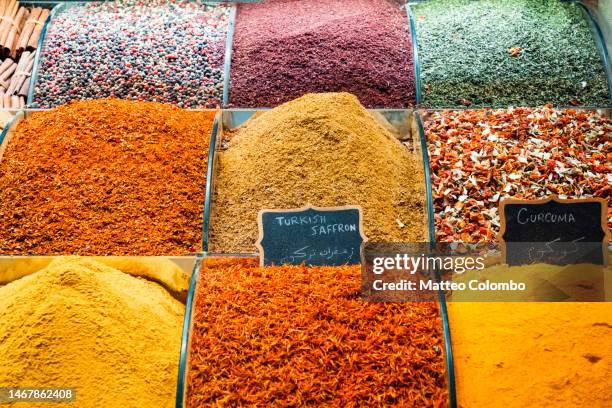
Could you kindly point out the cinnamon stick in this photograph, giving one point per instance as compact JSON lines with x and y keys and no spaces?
{"x":25,"y":88}
{"x":8,"y":73}
{"x":5,"y":65}
{"x":25,"y":17}
{"x":13,"y":80}
{"x":33,"y":41}
{"x":28,"y":29}
{"x":14,"y":31}
{"x":21,"y":72}
{"x":7,"y":21}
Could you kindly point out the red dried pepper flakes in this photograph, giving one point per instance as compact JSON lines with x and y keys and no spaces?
{"x":297,"y":336}
{"x":479,"y":157}
{"x":105,"y":177}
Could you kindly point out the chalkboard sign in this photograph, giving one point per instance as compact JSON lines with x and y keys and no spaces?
{"x":311,"y":236}
{"x":554,"y":231}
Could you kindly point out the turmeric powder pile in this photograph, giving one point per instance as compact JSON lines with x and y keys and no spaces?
{"x":321,"y":149}
{"x":532,"y":354}
{"x":79,"y":323}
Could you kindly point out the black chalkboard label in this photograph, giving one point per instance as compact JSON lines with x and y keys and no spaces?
{"x":311,"y":236}
{"x":554,"y":231}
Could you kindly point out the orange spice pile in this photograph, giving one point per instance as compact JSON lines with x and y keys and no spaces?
{"x":296,"y":335}
{"x":105,"y":177}
{"x":481,"y":157}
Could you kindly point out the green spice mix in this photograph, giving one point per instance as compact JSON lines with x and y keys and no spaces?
{"x":503,"y":53}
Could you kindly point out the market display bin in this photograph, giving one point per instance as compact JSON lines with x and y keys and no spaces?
{"x":63,"y":7}
{"x":423,"y":116}
{"x":227,"y":62}
{"x":172,"y":273}
{"x":189,"y":323}
{"x":10,"y":128}
{"x":600,"y":21}
{"x":55,"y":8}
{"x":64,"y":309}
{"x":328,"y":51}
{"x":484,"y":91}
{"x":399,"y":121}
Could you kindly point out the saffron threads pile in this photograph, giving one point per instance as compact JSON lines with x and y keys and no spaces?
{"x":480,"y":157}
{"x":296,"y":335}
{"x":105,"y":177}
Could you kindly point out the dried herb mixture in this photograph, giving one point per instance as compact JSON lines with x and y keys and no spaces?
{"x":105,"y":177}
{"x":499,"y":53}
{"x":295,"y":336}
{"x":479,"y":157}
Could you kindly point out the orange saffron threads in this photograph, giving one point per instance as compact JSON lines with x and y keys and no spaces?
{"x":296,"y":335}
{"x":105,"y":177}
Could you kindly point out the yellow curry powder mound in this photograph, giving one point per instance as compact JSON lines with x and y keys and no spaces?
{"x":324,"y":150}
{"x":79,"y":323}
{"x":532,"y":354}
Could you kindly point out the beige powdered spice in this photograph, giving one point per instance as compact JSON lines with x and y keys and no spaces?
{"x":324,"y":150}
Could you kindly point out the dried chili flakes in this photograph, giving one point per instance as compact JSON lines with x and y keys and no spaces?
{"x":296,"y":336}
{"x":105,"y":177}
{"x":479,"y":157}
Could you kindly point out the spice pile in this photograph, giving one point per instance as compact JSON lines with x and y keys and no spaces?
{"x":544,"y":282}
{"x":479,"y":157}
{"x":105,"y":177}
{"x":321,"y":149}
{"x":285,"y":48}
{"x":20,"y":30}
{"x":163,"y":270}
{"x":78,"y":323}
{"x":533,"y":354}
{"x":160,"y":50}
{"x":500,"y":53}
{"x":295,"y":336}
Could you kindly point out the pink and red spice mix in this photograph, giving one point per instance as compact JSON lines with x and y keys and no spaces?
{"x":283,"y":49}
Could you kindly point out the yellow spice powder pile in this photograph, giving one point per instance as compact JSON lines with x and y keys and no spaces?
{"x":532,"y":354}
{"x":78,"y":323}
{"x":324,"y":150}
